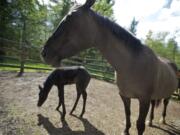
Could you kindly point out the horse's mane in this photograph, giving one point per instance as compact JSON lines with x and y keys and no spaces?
{"x":50,"y":80}
{"x":130,"y":40}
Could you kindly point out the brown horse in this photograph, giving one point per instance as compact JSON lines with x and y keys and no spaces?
{"x":82,"y":28}
{"x":165,"y":101}
{"x":64,"y":76}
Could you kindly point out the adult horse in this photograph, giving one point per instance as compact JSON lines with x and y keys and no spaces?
{"x":140,"y":74}
{"x":165,"y":101}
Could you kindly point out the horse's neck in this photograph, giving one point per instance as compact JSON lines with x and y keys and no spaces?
{"x":115,"y":52}
{"x":49,"y":83}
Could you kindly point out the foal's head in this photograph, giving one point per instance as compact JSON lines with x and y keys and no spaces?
{"x":43,"y":94}
{"x":74,"y":33}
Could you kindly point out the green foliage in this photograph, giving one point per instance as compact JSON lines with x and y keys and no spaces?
{"x":133,"y":26}
{"x":164,"y":46}
{"x":104,"y":7}
{"x":30,"y":23}
{"x":58,"y":11}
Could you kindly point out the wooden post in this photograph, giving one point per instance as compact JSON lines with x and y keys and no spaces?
{"x":115,"y":76}
{"x":22,"y":48}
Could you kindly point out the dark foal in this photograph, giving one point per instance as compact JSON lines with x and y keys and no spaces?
{"x":60,"y":77}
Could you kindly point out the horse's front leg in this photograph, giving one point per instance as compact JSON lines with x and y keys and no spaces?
{"x":127,"y":104}
{"x":151,"y":116}
{"x":143,"y":110}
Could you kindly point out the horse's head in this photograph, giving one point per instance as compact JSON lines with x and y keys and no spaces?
{"x":75,"y":32}
{"x":42,"y":96}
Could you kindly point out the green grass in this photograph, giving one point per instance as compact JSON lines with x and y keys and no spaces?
{"x":16,"y":69}
{"x":96,"y":72}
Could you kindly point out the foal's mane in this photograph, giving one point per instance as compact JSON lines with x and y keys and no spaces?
{"x":130,"y":40}
{"x":50,"y":80}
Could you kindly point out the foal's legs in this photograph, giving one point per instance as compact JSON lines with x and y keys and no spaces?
{"x":60,"y":96}
{"x":81,"y":86}
{"x":77,"y":99}
{"x":151,"y":116}
{"x":143,"y":110}
{"x":61,"y":93}
{"x":84,"y":94}
{"x":165,"y":101}
{"x":127,"y":104}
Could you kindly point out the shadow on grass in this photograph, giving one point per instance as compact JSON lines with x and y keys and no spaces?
{"x":170,"y":129}
{"x":89,"y":129}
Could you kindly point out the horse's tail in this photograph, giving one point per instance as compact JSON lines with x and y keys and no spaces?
{"x":157,"y":102}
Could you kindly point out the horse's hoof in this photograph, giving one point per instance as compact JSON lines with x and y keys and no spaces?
{"x":149,"y":123}
{"x":162,"y":121}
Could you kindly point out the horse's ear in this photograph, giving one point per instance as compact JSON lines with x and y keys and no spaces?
{"x":89,"y":3}
{"x":40,"y":88}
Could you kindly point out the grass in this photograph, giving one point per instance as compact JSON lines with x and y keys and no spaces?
{"x":40,"y":67}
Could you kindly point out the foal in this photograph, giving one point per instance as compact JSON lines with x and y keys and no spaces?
{"x":60,"y":77}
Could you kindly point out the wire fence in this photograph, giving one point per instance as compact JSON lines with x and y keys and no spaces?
{"x":13,"y":54}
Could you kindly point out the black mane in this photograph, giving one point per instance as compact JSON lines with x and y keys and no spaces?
{"x":49,"y":81}
{"x":130,"y":40}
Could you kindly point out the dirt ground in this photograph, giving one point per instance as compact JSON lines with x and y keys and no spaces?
{"x":104,"y":114}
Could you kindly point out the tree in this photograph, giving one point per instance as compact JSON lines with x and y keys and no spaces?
{"x":164,"y":46}
{"x":105,"y":8}
{"x":172,"y":48}
{"x":133,"y":26}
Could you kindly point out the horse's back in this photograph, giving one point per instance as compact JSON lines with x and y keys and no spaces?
{"x":71,"y":75}
{"x":83,"y":75}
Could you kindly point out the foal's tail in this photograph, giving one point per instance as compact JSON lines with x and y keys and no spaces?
{"x":157,"y":102}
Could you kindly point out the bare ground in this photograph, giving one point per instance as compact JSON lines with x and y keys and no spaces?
{"x":104,"y":115}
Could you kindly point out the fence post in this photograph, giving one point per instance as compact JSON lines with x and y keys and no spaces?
{"x":21,"y":57}
{"x":22,"y":48}
{"x":115,"y":76}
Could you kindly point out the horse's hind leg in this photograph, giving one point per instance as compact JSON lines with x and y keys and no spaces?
{"x":75,"y":104}
{"x":143,"y":110}
{"x":61,"y":92}
{"x":84,"y":94}
{"x":165,"y":102}
{"x":60,"y":96}
{"x":151,"y":116}
{"x":127,"y":104}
